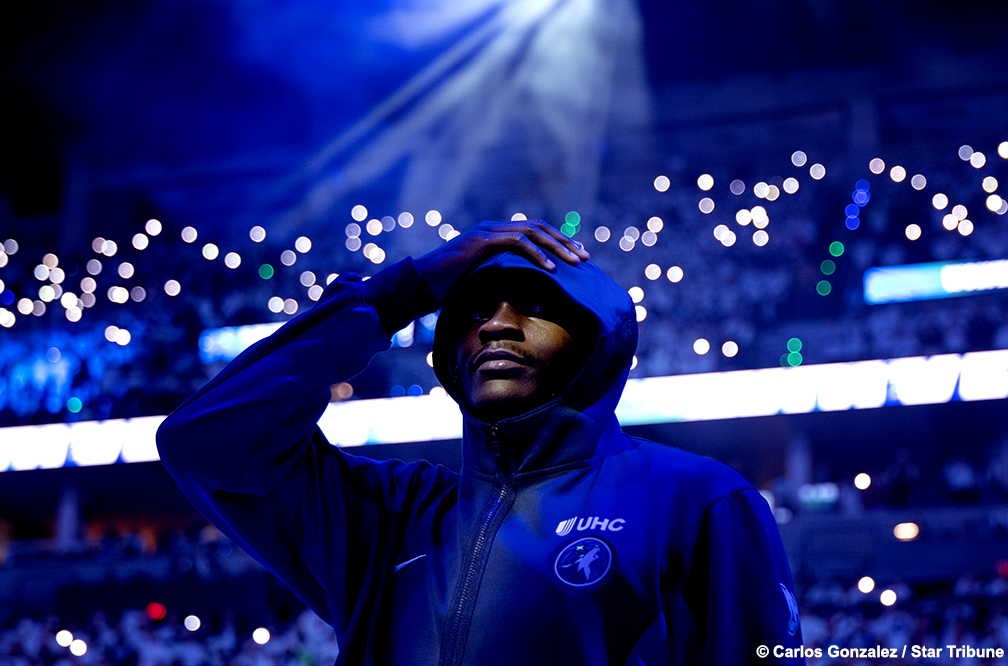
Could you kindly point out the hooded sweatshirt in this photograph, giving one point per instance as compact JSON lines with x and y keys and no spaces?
{"x":561,"y":541}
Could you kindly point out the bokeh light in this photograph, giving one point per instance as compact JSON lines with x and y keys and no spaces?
{"x":906,"y":531}
{"x":636,"y":294}
{"x":701,"y":346}
{"x":965,"y":153}
{"x":1003,"y":150}
{"x":705,"y":182}
{"x":706,"y":205}
{"x":602,"y":234}
{"x":730,"y":348}
{"x":156,"y":611}
{"x":192,"y":623}
{"x":861,"y":482}
{"x":960,"y":212}
{"x":977,"y":160}
{"x":261,"y":636}
{"x":652,"y":272}
{"x":965,"y":227}
{"x":761,"y":238}
{"x":989,"y":184}
{"x":662,"y":183}
{"x":405,"y":220}
{"x":140,"y":241}
{"x":78,"y":648}
{"x":358,"y":213}
{"x":897,"y":173}
{"x":655,"y":224}
{"x":518,"y":217}
{"x":275,"y":304}
{"x":210,"y":251}
{"x":373,"y":227}
{"x":736,"y":187}
{"x":888,"y":597}
{"x":64,"y":638}
{"x":743,"y":217}
{"x":950,"y":222}
{"x":674,"y":274}
{"x":432,"y":218}
{"x":152,"y":227}
{"x":641,"y":312}
{"x":866,"y":584}
{"x":798,"y":158}
{"x":918,"y":182}
{"x":939,"y":201}
{"x":913,"y":231}
{"x":232,"y":260}
{"x":288,"y":258}
{"x":172,"y":287}
{"x":188,"y":235}
{"x":257,"y":234}
{"x":817,"y":171}
{"x":790,"y":185}
{"x":93,"y":266}
{"x":876,"y":166}
{"x":994,"y":203}
{"x":827,"y":267}
{"x":303,"y":244}
{"x":823,"y":288}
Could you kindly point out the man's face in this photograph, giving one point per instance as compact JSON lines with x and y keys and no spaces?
{"x":516,"y":349}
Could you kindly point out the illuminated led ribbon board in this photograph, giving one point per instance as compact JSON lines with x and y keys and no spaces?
{"x":699,"y":397}
{"x":914,"y":282}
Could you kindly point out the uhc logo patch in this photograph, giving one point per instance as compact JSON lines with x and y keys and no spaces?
{"x":583,"y":562}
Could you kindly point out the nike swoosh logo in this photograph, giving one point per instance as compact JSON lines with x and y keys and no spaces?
{"x":398,"y":567}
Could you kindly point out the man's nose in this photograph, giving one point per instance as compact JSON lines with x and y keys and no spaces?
{"x":504,"y":323}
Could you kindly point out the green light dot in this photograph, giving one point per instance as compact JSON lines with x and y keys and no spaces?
{"x":794,"y":345}
{"x":567,"y":229}
{"x":836,"y":248}
{"x":265,"y":271}
{"x":74,"y":405}
{"x":794,"y":358}
{"x":823,"y":287}
{"x":573,"y":218}
{"x":828,"y":267}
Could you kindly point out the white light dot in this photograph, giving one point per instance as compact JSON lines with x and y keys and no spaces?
{"x":876,"y":166}
{"x":652,"y":272}
{"x":518,"y":216}
{"x":3,"y":258}
{"x":772,"y":193}
{"x":122,"y":337}
{"x":913,"y":232}
{"x":373,"y":227}
{"x":68,"y":300}
{"x":817,"y":171}
{"x":861,"y":482}
{"x":302,"y":244}
{"x":430,"y":359}
{"x":649,"y":238}
{"x":965,"y":153}
{"x":989,"y":184}
{"x":125,"y":270}
{"x":97,"y":244}
{"x":78,"y":647}
{"x":641,"y":312}
{"x":25,"y":306}
{"x":790,"y":185}
{"x":38,"y":308}
{"x":761,"y":238}
{"x":358,"y":213}
{"x":290,"y":306}
{"x":798,"y":158}
{"x":1004,"y":207}
{"x":210,"y":251}
{"x":50,"y":260}
{"x":257,"y":234}
{"x":1003,"y":150}
{"x":307,"y":279}
{"x":662,"y":183}
{"x":275,"y":304}
{"x":730,"y":348}
{"x":960,"y":212}
{"x":439,"y":392}
{"x":94,"y":266}
{"x":332,"y":276}
{"x":189,"y":234}
{"x":636,"y":294}
{"x":939,"y":201}
{"x":655,"y":224}
{"x":759,"y":217}
{"x":633,"y":363}
{"x":737,"y":187}
{"x":232,"y":260}
{"x":172,"y":287}
{"x":353,"y":230}
{"x":192,"y":623}
{"x":110,"y":333}
{"x":633,"y":233}
{"x":720,"y":232}
{"x":729,"y":239}
{"x":41,"y":272}
{"x":705,"y":182}
{"x":978,"y":160}
{"x":153,"y":227}
{"x":866,"y":585}
{"x":405,"y":220}
{"x":64,"y":638}
{"x":965,"y":227}
{"x":602,"y":234}
{"x":287,"y":258}
{"x":315,"y":292}
{"x":918,"y":182}
{"x":994,"y":203}
{"x":674,"y":274}
{"x":388,"y":223}
{"x":46,"y":293}
{"x":743,"y":217}
{"x":432,"y":218}
{"x":261,"y":636}
{"x":353,"y":244}
{"x":7,"y":318}
{"x":626,"y":243}
{"x":706,"y":205}
{"x":138,"y":294}
{"x":701,"y":346}
{"x":56,"y":276}
{"x":445,"y":230}
{"x":760,"y":189}
{"x":897,"y":173}
{"x":88,"y":300}
{"x":950,"y":222}
{"x":140,"y":241}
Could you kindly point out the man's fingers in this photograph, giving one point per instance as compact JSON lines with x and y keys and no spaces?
{"x":553,"y":239}
{"x":532,"y":250}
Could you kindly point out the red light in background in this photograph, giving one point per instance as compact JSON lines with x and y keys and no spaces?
{"x":1001,"y":566}
{"x":156,"y":611}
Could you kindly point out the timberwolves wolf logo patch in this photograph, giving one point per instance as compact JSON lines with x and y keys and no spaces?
{"x":583,"y":562}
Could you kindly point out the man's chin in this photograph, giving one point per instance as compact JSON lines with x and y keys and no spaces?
{"x":499,"y":398}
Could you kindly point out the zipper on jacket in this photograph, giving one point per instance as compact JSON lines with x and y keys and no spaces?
{"x":476,"y":563}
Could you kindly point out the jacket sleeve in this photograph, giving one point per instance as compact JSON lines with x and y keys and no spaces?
{"x":738,"y":586}
{"x":246,"y":451}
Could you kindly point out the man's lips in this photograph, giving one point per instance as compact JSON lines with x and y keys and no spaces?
{"x":498,"y":359}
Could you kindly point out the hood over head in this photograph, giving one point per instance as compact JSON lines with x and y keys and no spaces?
{"x":585,"y":286}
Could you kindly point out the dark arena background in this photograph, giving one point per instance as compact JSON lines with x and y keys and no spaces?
{"x":804,"y":197}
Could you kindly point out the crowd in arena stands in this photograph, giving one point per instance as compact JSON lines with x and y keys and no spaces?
{"x":758,"y":297}
{"x":970,"y":611}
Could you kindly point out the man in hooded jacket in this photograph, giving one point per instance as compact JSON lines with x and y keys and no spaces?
{"x":562,"y":540}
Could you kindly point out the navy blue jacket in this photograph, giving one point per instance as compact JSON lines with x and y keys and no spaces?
{"x":562,"y":541}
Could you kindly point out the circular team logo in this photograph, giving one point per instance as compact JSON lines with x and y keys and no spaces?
{"x":583,"y":562}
